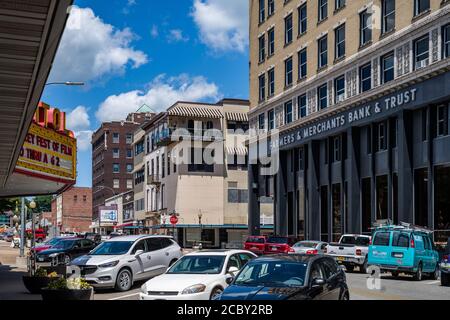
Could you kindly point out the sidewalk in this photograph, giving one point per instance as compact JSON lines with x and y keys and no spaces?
{"x":11,"y":285}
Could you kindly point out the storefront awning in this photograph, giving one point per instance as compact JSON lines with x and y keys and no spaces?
{"x":195,"y":110}
{"x":240,"y":151}
{"x":236,"y":116}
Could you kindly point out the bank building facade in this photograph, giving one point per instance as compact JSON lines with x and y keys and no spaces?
{"x":355,"y":97}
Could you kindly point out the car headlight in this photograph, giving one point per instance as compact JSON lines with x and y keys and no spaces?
{"x":109,"y":264}
{"x":194,"y":289}
{"x":54,"y":255}
{"x":144,"y":289}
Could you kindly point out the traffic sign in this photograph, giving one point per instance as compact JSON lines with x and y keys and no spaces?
{"x":174,"y":220}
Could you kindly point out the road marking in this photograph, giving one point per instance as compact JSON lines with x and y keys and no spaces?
{"x":433,"y":282}
{"x":367,"y":294}
{"x":124,"y":297}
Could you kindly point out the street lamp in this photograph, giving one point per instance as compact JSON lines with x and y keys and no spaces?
{"x":200,"y":216}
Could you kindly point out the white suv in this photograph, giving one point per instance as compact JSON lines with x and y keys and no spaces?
{"x":118,"y":262}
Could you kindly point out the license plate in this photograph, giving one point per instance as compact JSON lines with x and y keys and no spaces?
{"x":41,"y":259}
{"x":254,"y":248}
{"x":340,"y":259}
{"x":274,"y":248}
{"x":446,"y":265}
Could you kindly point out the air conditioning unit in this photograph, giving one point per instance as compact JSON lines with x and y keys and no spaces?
{"x":422,"y":64}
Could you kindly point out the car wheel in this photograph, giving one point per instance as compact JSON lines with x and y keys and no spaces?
{"x":418,"y":275}
{"x":349,"y":268}
{"x":124,"y":280}
{"x":215,"y":293}
{"x":363,"y":267}
{"x":395,"y":274}
{"x":67,"y":259}
{"x":345,"y":297}
{"x":39,"y":240}
{"x":445,"y":279}
{"x":435,"y":274}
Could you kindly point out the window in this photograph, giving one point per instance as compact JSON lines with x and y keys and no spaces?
{"x":271,"y":76}
{"x":365,"y":27}
{"x":302,"y":110}
{"x":387,"y":65}
{"x":262,"y":48}
{"x":302,"y":64}
{"x":446,"y":41}
{"x":169,"y":163}
{"x":237,"y":196}
{"x":288,"y":116}
{"x":129,"y":184}
{"x":262,"y":10}
{"x":421,"y":52}
{"x":322,"y":93}
{"x":442,"y":120}
{"x":129,"y":153}
{"x":388,"y":15}
{"x":271,"y":40}
{"x":130,"y":168}
{"x":116,"y":183}
{"x":382,"y":141}
{"x":339,"y":4}
{"x":116,"y":168}
{"x":288,"y":29}
{"x":339,"y":34}
{"x":130,"y":138}
{"x":421,"y":6}
{"x":323,"y":9}
{"x":261,"y":121}
{"x":382,"y":239}
{"x":163,"y":165}
{"x":323,"y":51}
{"x":339,"y":89}
{"x":302,"y":19}
{"x":262,"y":87}
{"x":271,"y":7}
{"x":116,"y":153}
{"x":336,"y":149}
{"x":139,"y":177}
{"x":271,"y":118}
{"x":288,"y":72}
{"x":365,"y":76}
{"x":116,"y":138}
{"x":139,"y":148}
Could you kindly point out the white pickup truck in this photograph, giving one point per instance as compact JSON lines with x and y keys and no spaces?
{"x":351,"y":251}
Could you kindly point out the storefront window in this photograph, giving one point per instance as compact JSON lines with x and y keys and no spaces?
{"x":442,"y":120}
{"x":324,"y":213}
{"x":442,"y":204}
{"x":421,"y":197}
{"x":395,"y":190}
{"x":337,"y":213}
{"x":382,"y":198}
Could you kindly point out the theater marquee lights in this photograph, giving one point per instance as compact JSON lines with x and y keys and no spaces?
{"x":49,"y":150}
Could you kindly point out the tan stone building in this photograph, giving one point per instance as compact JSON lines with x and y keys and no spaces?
{"x":359,"y":93}
{"x":174,"y":176}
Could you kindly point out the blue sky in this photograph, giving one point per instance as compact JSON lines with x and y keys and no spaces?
{"x":131,"y":52}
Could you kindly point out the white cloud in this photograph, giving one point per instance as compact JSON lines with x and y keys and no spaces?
{"x":223,"y":25}
{"x":154,"y":32}
{"x":84,"y":139}
{"x":78,"y":119}
{"x":162,"y":92}
{"x":129,"y":4}
{"x":176,"y":35}
{"x":91,"y":49}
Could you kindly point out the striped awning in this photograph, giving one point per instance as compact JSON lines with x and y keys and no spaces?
{"x":237,"y":116}
{"x":197,"y":111}
{"x":240,"y":151}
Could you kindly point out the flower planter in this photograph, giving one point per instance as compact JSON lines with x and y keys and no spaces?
{"x":35,"y":284}
{"x":67,"y":295}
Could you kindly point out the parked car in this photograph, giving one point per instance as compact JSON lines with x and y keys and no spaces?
{"x":445,"y":266}
{"x":197,"y":276}
{"x":48,"y":244}
{"x":351,"y":251}
{"x":289,"y":277}
{"x":8,"y":237}
{"x":69,"y":234}
{"x":276,"y":245}
{"x":310,"y":247}
{"x":118,"y":262}
{"x":403,"y":249}
{"x":255,"y":244}
{"x":95,"y":237}
{"x":64,"y":251}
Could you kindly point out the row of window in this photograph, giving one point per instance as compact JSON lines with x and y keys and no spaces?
{"x":116,"y":184}
{"x":116,"y":168}
{"x":116,"y":153}
{"x":116,"y":138}
{"x":421,"y":56}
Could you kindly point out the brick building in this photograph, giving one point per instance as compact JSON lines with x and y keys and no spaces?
{"x":72,"y":210}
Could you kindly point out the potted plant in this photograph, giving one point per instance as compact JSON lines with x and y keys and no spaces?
{"x":40,"y":279}
{"x":68,"y":289}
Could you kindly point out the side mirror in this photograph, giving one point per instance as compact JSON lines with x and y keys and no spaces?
{"x":318,"y":282}
{"x":233,"y":270}
{"x":229,"y":280}
{"x":139,"y":253}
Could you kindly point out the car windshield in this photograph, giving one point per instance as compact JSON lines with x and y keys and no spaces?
{"x":359,"y":241}
{"x":255,"y":240}
{"x":64,"y":244}
{"x":52,"y":242}
{"x":277,"y":240}
{"x":273,"y":273}
{"x":304,"y":244}
{"x":112,"y":248}
{"x":198,"y":265}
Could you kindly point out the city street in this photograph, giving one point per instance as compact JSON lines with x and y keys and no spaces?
{"x":403,"y":288}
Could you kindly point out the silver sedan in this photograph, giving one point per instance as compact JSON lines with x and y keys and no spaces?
{"x":310,"y":247}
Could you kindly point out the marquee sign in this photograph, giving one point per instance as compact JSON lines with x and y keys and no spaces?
{"x":49,"y":150}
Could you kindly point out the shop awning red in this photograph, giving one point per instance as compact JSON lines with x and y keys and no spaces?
{"x":125,"y":225}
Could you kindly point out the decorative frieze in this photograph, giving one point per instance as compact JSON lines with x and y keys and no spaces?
{"x":435,"y":45}
{"x":406,"y":58}
{"x":375,"y":73}
{"x":399,"y":61}
{"x":312,"y":106}
{"x":330,"y":93}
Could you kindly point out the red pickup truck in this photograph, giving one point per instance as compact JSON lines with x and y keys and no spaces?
{"x":39,"y":234}
{"x":277,"y":245}
{"x":256,"y":244}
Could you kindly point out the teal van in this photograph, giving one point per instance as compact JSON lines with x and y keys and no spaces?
{"x":399,"y":249}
